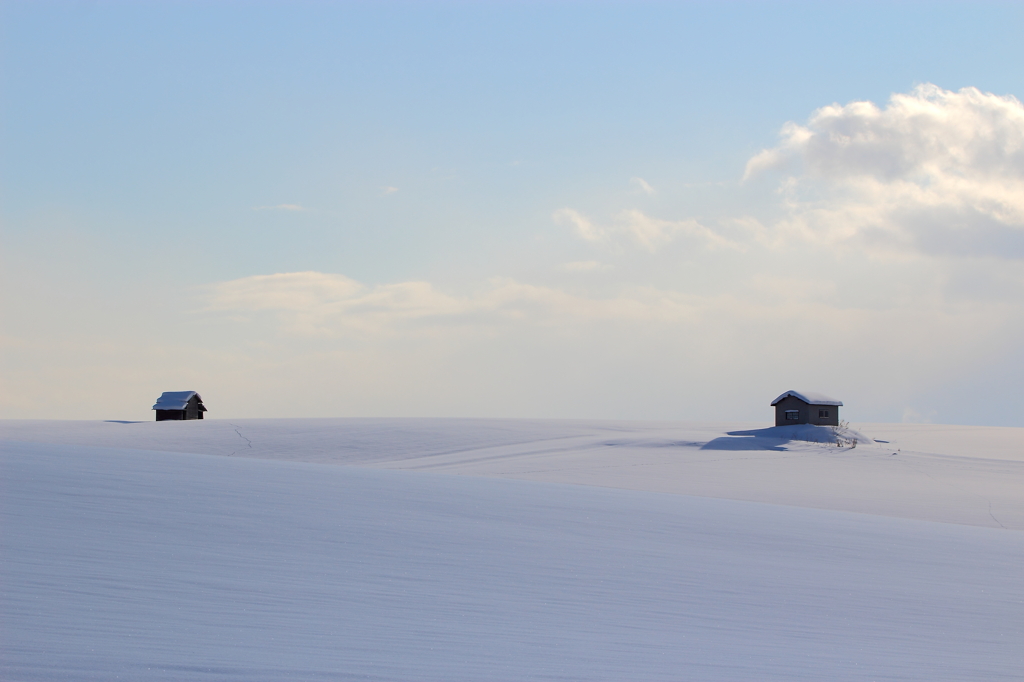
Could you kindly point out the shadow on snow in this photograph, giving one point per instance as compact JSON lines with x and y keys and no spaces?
{"x":772,"y":438}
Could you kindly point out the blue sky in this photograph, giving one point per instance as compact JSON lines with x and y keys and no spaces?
{"x":511,"y":209}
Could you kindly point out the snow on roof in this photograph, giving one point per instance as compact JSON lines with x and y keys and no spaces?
{"x":175,"y":400}
{"x":809,"y":398}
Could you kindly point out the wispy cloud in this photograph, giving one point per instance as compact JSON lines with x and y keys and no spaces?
{"x":316,"y":303}
{"x":736,"y":332}
{"x":643,"y":230}
{"x":652,"y":233}
{"x":582,"y":225}
{"x":642,"y":186}
{"x":385,"y":191}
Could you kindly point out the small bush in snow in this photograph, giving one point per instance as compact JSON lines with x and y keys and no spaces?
{"x":843,"y":438}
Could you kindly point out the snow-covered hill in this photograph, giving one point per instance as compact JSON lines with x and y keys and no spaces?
{"x":954,"y":474}
{"x":123,"y":556}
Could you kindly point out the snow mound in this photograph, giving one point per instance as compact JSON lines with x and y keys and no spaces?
{"x":828,"y":435}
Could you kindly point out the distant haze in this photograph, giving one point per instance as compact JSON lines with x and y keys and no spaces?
{"x":512,"y":210}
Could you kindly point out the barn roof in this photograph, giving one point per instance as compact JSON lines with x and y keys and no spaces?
{"x":175,"y":400}
{"x":809,"y":398}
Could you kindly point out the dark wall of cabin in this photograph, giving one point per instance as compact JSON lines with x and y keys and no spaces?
{"x":791,"y":403}
{"x":809,"y":414}
{"x":193,"y":410}
{"x":831,"y":417}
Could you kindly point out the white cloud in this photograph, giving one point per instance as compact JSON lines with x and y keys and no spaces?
{"x":316,"y":302}
{"x":652,"y":233}
{"x":323,"y":344}
{"x":520,"y":346}
{"x":290,"y":290}
{"x":384,"y":191}
{"x":281,"y":207}
{"x":935,"y":172}
{"x":584,"y":228}
{"x":643,"y":230}
{"x":642,"y":186}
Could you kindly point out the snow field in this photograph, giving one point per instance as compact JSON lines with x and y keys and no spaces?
{"x":963,"y":475}
{"x":144,"y":565}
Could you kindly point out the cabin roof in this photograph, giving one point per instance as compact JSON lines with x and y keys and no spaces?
{"x":809,"y":398}
{"x":175,"y":400}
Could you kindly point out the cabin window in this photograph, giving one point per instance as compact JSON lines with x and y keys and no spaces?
{"x":792,"y":415}
{"x":822,"y":413}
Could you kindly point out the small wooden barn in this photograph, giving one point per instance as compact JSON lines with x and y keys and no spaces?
{"x":179,"y":405}
{"x":801,"y":407}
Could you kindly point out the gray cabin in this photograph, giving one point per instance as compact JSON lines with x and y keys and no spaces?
{"x":801,"y":407}
{"x":179,"y":405}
